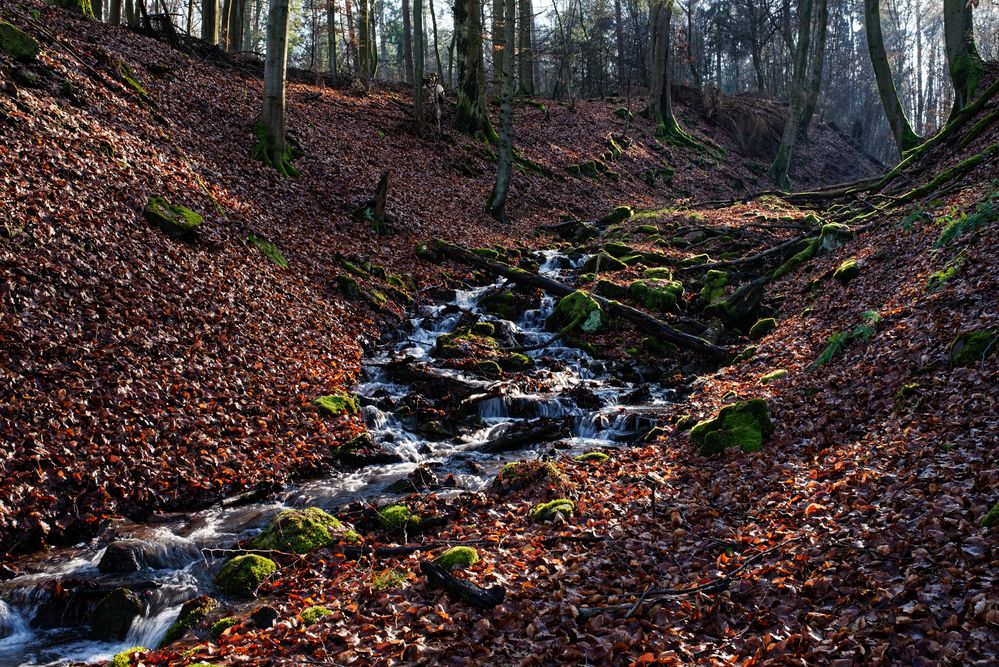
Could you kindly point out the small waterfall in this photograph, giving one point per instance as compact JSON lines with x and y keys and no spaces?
{"x":14,"y":630}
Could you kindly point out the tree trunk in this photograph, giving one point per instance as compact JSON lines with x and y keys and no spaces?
{"x":224,"y":24}
{"x":367,"y":45}
{"x":471,"y":116}
{"x":818,"y":59}
{"x":437,"y":51}
{"x":965,"y":65}
{"x":782,"y":161}
{"x":496,"y":205}
{"x":209,"y":21}
{"x":114,"y":14}
{"x":525,"y":56}
{"x":234,"y":32}
{"x":274,"y":142}
{"x":418,"y":65}
{"x":660,"y":99}
{"x":331,"y":40}
{"x":901,"y":130}
{"x":407,"y":43}
{"x":622,"y":67}
{"x":496,"y":38}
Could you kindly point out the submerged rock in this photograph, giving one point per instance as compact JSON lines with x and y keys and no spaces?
{"x":114,"y":615}
{"x":132,"y":555}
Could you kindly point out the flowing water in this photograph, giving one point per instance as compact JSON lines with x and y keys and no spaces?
{"x":40,"y":626}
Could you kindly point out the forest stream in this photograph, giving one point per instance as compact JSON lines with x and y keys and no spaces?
{"x":568,"y":404}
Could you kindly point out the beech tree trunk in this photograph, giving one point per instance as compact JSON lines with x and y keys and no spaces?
{"x":407,"y":42}
{"x":496,"y":205}
{"x":965,"y":65}
{"x":209,"y":21}
{"x":901,"y":130}
{"x":418,"y":65}
{"x":471,"y":116}
{"x":782,"y":161}
{"x":497,"y":38}
{"x":275,"y":69}
{"x":660,"y":99}
{"x":622,"y":69}
{"x":437,"y":50}
{"x":114,"y":12}
{"x":331,"y":40}
{"x":818,"y":59}
{"x":525,"y":49}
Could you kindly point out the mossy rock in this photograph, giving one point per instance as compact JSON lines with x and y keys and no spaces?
{"x":577,"y":311}
{"x":397,"y":517}
{"x":488,"y":253}
{"x":17,"y":44}
{"x":847,"y":271}
{"x":662,"y":348}
{"x":312,"y":615}
{"x":523,"y":474}
{"x":114,"y":614}
{"x":662,"y":296}
{"x":762,"y":328}
{"x":990,"y":518}
{"x":602,"y":262}
{"x":972,"y":347}
{"x":223,"y":624}
{"x":176,"y":221}
{"x":488,"y":369}
{"x":242,"y":575}
{"x":124,"y":658}
{"x":548,"y":511}
{"x":504,"y":303}
{"x":591,"y":457}
{"x":658,"y":273}
{"x":457,"y":557}
{"x":485,"y":329}
{"x":747,"y":353}
{"x":744,"y":425}
{"x":647,"y":229}
{"x":336,"y":404}
{"x":623,"y":113}
{"x":302,"y":531}
{"x":269,"y":250}
{"x":516,"y":362}
{"x":713,"y":290}
{"x":773,"y":376}
{"x":609,"y":289}
{"x":83,"y":7}
{"x":620,"y":250}
{"x":191,"y":613}
{"x":463,"y":343}
{"x":695,"y":260}
{"x":685,"y":423}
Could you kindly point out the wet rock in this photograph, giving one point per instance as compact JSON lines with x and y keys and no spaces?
{"x":132,"y":554}
{"x":421,"y":479}
{"x":114,"y":615}
{"x":191,"y":613}
{"x":264,"y":617}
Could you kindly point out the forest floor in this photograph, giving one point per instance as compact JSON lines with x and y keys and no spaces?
{"x":142,"y":375}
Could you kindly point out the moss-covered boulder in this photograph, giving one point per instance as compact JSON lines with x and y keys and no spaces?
{"x":773,"y":376}
{"x":591,"y":457}
{"x":223,"y":624}
{"x":17,"y":44}
{"x":524,"y":474}
{"x":620,"y":250}
{"x":242,"y":575}
{"x":191,"y":613}
{"x":658,"y":273}
{"x":457,"y":557}
{"x":463,"y":342}
{"x":516,"y":362}
{"x":333,"y":405}
{"x":990,"y":518}
{"x":847,"y":271}
{"x":302,"y":531}
{"x":616,"y":216}
{"x":113,"y":615}
{"x":503,"y":303}
{"x":312,"y":615}
{"x":713,"y":290}
{"x":663,"y":296}
{"x":747,"y":353}
{"x":831,"y":237}
{"x":604,"y":263}
{"x":176,"y":221}
{"x":550,"y":510}
{"x":577,"y":311}
{"x":124,"y":658}
{"x":762,"y":328}
{"x":397,"y":517}
{"x":972,"y":347}
{"x":744,"y":425}
{"x":609,"y":289}
{"x":695,"y":260}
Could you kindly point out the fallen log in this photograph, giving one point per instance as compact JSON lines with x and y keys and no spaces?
{"x":462,"y":589}
{"x":640,"y":320}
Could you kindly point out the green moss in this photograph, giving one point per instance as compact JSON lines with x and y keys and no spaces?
{"x":713,"y":290}
{"x":312,"y":615}
{"x":515,"y":361}
{"x":972,"y":347}
{"x":773,"y":376}
{"x":747,"y":353}
{"x":485,"y":329}
{"x":176,"y":221}
{"x":457,"y":557}
{"x":802,"y":256}
{"x":397,"y":516}
{"x":488,"y":253}
{"x":83,"y":7}
{"x":531,"y":471}
{"x":462,"y":342}
{"x":841,"y":340}
{"x":335,"y":404}
{"x":610,"y":289}
{"x":847,"y":271}
{"x":744,"y":425}
{"x":658,"y":273}
{"x":594,"y":457}
{"x":128,"y":76}
{"x":685,"y":423}
{"x":489,"y":369}
{"x":958,"y":224}
{"x":619,"y":250}
{"x":242,"y":575}
{"x":300,"y":531}
{"x":190,"y":614}
{"x":660,"y":295}
{"x":17,"y":44}
{"x":832,"y":236}
{"x":602,"y":262}
{"x":124,"y":658}
{"x":263,"y":151}
{"x":695,"y":260}
{"x":269,"y":249}
{"x":616,"y":216}
{"x":223,"y":624}
{"x":944,"y":275}
{"x":577,"y":311}
{"x":648,"y":229}
{"x":990,"y":518}
{"x":762,"y":328}
{"x":663,"y":348}
{"x":502,"y":304}
{"x":592,"y":168}
{"x":547,"y":511}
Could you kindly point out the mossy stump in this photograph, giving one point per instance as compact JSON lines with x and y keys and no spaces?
{"x":744,"y":425}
